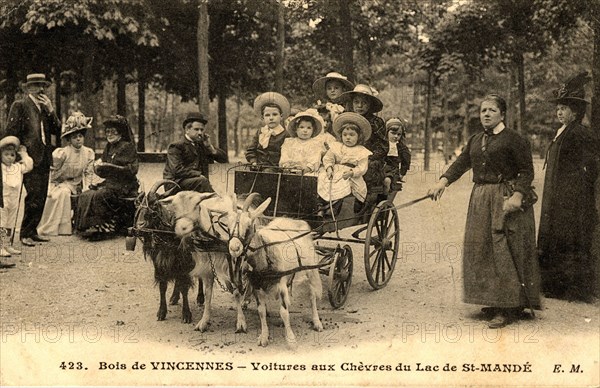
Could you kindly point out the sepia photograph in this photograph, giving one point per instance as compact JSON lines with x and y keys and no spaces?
{"x":329,"y":193}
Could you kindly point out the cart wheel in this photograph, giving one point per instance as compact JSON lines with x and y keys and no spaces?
{"x":381,"y":244}
{"x":340,"y":276}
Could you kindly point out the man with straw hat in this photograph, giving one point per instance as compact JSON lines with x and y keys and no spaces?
{"x":33,"y":121}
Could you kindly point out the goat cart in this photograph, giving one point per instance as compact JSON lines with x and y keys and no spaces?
{"x":294,"y":195}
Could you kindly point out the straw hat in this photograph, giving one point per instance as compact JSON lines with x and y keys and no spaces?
{"x":10,"y":140}
{"x":353,"y":118}
{"x":363,"y":90}
{"x":311,"y":114}
{"x":75,"y":123}
{"x":319,"y":86}
{"x":272,"y":98}
{"x":395,"y":122}
{"x":37,"y":78}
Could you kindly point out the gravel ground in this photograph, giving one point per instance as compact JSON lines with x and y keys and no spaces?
{"x":75,"y":301}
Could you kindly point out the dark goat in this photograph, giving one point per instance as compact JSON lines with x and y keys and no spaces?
{"x":171,"y":262}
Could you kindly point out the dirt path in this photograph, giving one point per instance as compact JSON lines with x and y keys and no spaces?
{"x":76,"y":301}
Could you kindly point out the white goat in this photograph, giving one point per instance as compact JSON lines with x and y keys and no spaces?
{"x":195,"y":211}
{"x":274,"y":252}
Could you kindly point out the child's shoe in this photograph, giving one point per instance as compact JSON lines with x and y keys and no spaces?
{"x":13,"y":251}
{"x":4,"y":252}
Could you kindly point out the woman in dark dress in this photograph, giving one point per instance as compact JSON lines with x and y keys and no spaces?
{"x":499,"y":233}
{"x":568,"y":214}
{"x":102,"y":211}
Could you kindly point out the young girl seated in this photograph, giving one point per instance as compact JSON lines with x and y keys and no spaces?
{"x":302,"y":150}
{"x":345,"y":163}
{"x":397,"y":159}
{"x":265,"y":147}
{"x":11,"y":177}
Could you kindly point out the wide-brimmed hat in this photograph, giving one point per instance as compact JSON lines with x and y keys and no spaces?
{"x":272,"y":98}
{"x":352,"y":118}
{"x":310,"y":114}
{"x":121,"y":124}
{"x":194,"y":116}
{"x":362,"y":90}
{"x":572,"y":90}
{"x":10,"y":140}
{"x":320,"y":85}
{"x":77,"y":122}
{"x":37,"y":78}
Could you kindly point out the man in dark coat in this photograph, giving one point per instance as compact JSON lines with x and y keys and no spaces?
{"x":188,"y":159}
{"x":568,"y":216}
{"x":32,"y":119}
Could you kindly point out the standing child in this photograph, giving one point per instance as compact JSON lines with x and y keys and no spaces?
{"x":11,"y":175}
{"x":397,"y":159}
{"x":345,"y":163}
{"x":265,"y":147}
{"x":327,"y":90}
{"x":302,"y":150}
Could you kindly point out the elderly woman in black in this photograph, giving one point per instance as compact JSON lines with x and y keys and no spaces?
{"x":568,"y":214}
{"x":500,"y":268}
{"x":102,"y":211}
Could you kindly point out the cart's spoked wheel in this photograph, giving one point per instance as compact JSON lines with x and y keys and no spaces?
{"x":340,"y":276}
{"x":381,"y":244}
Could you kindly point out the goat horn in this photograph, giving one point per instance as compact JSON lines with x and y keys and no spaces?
{"x":152,"y":192}
{"x":249,"y":199}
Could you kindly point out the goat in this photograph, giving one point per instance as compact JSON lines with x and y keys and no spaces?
{"x":196,"y":212}
{"x":275,"y":252}
{"x":170,"y":262}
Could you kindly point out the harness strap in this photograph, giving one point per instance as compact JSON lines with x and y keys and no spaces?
{"x":254,"y":249}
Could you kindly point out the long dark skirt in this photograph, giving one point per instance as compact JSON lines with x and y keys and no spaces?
{"x":104,"y":205}
{"x":492,"y":242}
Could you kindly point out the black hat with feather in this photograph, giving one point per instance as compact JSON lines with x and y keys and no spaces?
{"x":573,"y":90}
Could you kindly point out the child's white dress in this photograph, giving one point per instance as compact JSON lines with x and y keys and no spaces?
{"x":12,"y":179}
{"x":301,"y":154}
{"x":343,"y":158}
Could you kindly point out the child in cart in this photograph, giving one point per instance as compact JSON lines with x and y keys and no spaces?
{"x":397,"y":159}
{"x":327,"y":90}
{"x":265,"y":147}
{"x":302,"y":150}
{"x":346,"y":162}
{"x":11,"y":177}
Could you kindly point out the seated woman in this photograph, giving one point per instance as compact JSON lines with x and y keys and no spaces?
{"x":70,"y":174}
{"x":102,"y":211}
{"x":346,"y":163}
{"x":302,"y":150}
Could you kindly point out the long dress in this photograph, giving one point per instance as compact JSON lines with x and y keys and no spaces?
{"x":105,"y":205}
{"x":497,"y":244}
{"x":71,"y":174}
{"x":568,"y":215}
{"x":343,"y":158}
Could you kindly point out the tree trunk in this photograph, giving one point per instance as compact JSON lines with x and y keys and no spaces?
{"x":88,"y":107}
{"x":595,"y":119}
{"x":222,"y":118}
{"x":427,"y":134}
{"x":202,"y":37}
{"x":465,"y":128}
{"x":12,"y":87}
{"x":509,"y":120}
{"x":57,"y":99}
{"x":141,"y":145}
{"x":236,"y":129}
{"x":346,"y":46}
{"x":521,"y":81}
{"x":280,"y":48}
{"x":121,"y":92}
{"x":446,"y":146}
